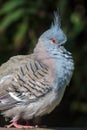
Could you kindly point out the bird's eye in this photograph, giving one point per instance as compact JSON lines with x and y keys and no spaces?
{"x":53,"y":40}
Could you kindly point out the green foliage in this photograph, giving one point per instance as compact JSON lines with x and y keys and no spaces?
{"x":22,"y":21}
{"x":78,"y":24}
{"x":21,"y":32}
{"x":10,"y":18}
{"x":11,"y":5}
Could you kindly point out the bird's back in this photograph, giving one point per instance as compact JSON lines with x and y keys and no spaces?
{"x":14,"y":63}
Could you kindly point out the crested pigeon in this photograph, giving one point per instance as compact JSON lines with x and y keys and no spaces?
{"x":33,"y":85}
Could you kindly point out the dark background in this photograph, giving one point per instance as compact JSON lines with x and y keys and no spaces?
{"x":23,"y":21}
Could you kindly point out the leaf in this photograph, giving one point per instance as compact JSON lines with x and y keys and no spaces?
{"x":78,"y":25}
{"x":21,"y":32}
{"x":10,"y":18}
{"x":11,"y":5}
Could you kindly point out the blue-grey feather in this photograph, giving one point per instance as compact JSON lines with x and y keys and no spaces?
{"x":56,"y":23}
{"x":55,"y":31}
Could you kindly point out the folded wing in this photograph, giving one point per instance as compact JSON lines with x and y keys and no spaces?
{"x":22,"y":83}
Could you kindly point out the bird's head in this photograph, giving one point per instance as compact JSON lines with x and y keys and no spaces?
{"x":53,"y":38}
{"x":55,"y":34}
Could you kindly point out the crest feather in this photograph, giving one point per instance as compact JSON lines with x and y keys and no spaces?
{"x":56,"y":23}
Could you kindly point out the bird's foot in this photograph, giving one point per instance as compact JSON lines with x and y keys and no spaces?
{"x":15,"y":124}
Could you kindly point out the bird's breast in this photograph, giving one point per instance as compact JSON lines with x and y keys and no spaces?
{"x":63,"y":70}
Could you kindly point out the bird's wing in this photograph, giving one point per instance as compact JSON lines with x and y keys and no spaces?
{"x":24,"y":84}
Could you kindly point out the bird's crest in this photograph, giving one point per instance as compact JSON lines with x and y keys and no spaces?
{"x":56,"y":23}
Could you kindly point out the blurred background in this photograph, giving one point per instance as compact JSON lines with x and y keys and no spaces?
{"x":23,"y":21}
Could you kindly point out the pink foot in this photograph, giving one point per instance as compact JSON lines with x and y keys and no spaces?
{"x":18,"y":125}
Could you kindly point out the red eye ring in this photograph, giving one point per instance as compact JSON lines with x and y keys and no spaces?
{"x":53,"y":40}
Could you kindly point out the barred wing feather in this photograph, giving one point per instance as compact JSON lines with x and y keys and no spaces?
{"x":24,"y":84}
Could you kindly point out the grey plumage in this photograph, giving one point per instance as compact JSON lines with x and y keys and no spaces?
{"x":33,"y":85}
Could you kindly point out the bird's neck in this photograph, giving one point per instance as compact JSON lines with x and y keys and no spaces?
{"x":60,"y":63}
{"x":43,"y":55}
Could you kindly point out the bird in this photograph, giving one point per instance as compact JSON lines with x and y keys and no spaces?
{"x":33,"y":85}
